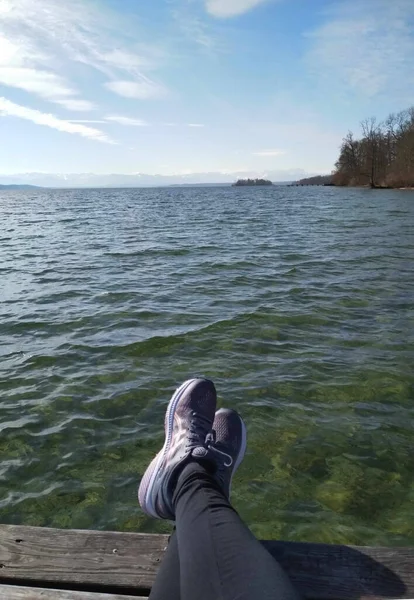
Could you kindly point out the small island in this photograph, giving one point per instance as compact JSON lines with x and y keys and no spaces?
{"x":252,"y":182}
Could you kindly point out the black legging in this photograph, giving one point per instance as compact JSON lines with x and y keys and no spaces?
{"x":212,"y":555}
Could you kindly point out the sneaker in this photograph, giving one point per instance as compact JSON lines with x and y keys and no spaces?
{"x":188,"y":423}
{"x":229,"y":446}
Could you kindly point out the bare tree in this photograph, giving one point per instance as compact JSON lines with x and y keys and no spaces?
{"x":371,"y":137}
{"x":384,"y":156}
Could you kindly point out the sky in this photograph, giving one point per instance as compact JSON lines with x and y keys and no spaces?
{"x":181,"y":87}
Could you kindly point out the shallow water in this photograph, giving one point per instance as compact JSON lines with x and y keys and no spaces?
{"x":298,"y":302}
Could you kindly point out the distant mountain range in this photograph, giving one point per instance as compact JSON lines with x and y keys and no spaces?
{"x":93,"y":180}
{"x":18,"y":187}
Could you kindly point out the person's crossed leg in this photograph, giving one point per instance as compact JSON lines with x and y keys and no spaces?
{"x":212,"y":555}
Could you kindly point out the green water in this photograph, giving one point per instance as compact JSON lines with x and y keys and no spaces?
{"x":298,"y":302}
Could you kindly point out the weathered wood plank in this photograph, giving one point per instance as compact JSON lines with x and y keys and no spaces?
{"x":130,"y":561}
{"x":87,"y":558}
{"x":13,"y":592}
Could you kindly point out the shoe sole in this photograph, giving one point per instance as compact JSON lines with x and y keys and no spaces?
{"x":243,"y":447}
{"x":148,"y":504}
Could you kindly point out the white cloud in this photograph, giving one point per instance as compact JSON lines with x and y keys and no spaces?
{"x":75,"y":104}
{"x":24,"y":64}
{"x":269,"y":153}
{"x":9,"y":52}
{"x":39,"y":41}
{"x":128,"y":121}
{"x":126,"y":60}
{"x":195,"y":27}
{"x":196,"y":125}
{"x":5,"y":7}
{"x":230,"y":8}
{"x":142,"y":90}
{"x":87,"y":121}
{"x":44,"y":84}
{"x":40,"y":82}
{"x":365,"y":47}
{"x":10,"y":109}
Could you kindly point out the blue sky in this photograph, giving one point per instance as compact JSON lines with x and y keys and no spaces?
{"x":193,"y":86}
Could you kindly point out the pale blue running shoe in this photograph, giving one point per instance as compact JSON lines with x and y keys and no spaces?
{"x":188,"y":427}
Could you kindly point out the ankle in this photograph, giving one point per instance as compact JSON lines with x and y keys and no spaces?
{"x":197,"y":471}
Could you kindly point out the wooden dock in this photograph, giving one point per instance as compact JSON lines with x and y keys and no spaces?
{"x":48,"y":564}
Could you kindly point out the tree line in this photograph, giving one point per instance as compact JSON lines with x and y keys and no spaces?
{"x":315,"y":180}
{"x":244,"y":182}
{"x":382,"y":157}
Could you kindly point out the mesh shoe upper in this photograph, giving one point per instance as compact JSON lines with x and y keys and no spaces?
{"x":230,"y":446}
{"x":188,"y":421}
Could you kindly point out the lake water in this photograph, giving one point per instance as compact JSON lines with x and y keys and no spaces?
{"x":297,"y":302}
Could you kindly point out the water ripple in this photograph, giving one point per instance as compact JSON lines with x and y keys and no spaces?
{"x":299,"y":303}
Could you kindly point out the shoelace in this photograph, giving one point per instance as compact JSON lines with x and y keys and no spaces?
{"x":210,"y":444}
{"x":200,"y":434}
{"x":198,"y":430}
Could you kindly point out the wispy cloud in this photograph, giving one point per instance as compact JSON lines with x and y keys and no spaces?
{"x":269,"y":153}
{"x":20,"y":68}
{"x":134,"y":122}
{"x":10,"y":109}
{"x":142,"y":90}
{"x":365,"y":47}
{"x":39,"y":40}
{"x":87,"y":121}
{"x":128,"y":121}
{"x":44,"y":84}
{"x":196,"y":29}
{"x":193,"y":26}
{"x":230,"y":8}
{"x":195,"y":125}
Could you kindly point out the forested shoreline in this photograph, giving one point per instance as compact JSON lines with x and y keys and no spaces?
{"x":383,"y":157}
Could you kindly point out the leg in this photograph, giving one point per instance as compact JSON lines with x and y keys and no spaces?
{"x":190,"y":481}
{"x":167,"y":583}
{"x":220,"y":559}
